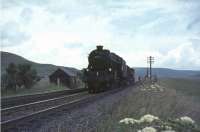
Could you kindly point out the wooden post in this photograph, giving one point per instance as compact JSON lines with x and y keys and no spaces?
{"x":150,"y":60}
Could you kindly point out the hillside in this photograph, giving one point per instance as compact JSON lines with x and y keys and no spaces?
{"x":42,"y":69}
{"x":46,"y":69}
{"x":165,"y":72}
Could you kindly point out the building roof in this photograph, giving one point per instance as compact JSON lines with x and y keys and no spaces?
{"x":67,"y":71}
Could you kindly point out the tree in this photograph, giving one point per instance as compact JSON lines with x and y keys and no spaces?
{"x":4,"y":81}
{"x":26,"y":76}
{"x":10,"y":77}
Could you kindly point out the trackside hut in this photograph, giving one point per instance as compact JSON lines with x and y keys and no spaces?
{"x":63,"y":77}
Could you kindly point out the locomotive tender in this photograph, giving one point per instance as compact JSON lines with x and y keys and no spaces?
{"x":106,"y":70}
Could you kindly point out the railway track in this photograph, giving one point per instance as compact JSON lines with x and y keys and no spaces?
{"x":12,"y":116}
{"x":20,"y":100}
{"x":25,"y":109}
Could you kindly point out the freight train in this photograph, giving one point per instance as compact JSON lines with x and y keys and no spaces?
{"x":107,"y":70}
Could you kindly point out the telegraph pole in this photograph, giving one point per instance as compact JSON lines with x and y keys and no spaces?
{"x":150,"y":60}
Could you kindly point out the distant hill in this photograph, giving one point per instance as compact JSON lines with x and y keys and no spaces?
{"x":165,"y":72}
{"x":197,"y":75}
{"x":46,"y":69}
{"x":42,"y":69}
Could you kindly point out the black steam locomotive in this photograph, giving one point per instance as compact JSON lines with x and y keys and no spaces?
{"x":106,"y":70}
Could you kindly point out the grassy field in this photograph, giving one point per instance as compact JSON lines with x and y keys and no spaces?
{"x":167,"y":99}
{"x":184,"y":86}
{"x":41,"y":87}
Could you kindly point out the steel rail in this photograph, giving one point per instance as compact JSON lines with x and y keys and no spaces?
{"x":19,"y":100}
{"x":14,"y":111}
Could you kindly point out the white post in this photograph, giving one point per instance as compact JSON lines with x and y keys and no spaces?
{"x":58,"y":82}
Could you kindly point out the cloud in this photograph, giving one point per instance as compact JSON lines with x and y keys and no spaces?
{"x":182,"y":57}
{"x":64,"y":32}
{"x":194,"y":25}
{"x":134,"y":23}
{"x":18,"y":3}
{"x":11,"y":35}
{"x":26,"y":15}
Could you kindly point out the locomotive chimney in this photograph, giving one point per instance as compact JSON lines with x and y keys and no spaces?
{"x":99,"y":47}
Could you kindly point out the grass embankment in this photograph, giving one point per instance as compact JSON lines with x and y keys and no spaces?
{"x":40,"y":87}
{"x":169,"y":98}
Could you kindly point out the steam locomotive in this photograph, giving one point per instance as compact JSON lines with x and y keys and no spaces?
{"x":106,"y":70}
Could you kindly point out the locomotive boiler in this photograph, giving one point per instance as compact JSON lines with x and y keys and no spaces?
{"x":106,"y":70}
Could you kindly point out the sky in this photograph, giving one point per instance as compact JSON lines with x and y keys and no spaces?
{"x":64,"y":32}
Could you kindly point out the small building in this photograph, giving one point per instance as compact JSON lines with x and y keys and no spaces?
{"x":63,"y":77}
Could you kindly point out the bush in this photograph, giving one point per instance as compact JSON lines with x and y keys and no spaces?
{"x":150,"y":123}
{"x":10,"y":77}
{"x":19,"y":76}
{"x":26,"y":76}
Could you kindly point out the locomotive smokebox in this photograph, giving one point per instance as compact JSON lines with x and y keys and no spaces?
{"x":99,"y":47}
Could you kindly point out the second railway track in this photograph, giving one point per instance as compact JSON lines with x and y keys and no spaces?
{"x":27,"y":109}
{"x":24,"y":99}
{"x":10,"y":117}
